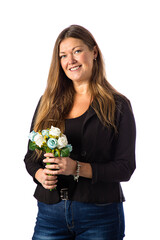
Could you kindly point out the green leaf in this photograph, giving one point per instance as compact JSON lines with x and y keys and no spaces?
{"x":48,"y":150}
{"x":57,"y":153}
{"x":32,"y":146}
{"x":65,"y":152}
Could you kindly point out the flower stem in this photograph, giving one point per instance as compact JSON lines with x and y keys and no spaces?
{"x":50,"y":175}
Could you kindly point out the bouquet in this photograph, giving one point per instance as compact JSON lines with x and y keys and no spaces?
{"x":50,"y":141}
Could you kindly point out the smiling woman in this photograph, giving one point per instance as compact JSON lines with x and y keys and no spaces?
{"x":99,"y":124}
{"x":77,"y":60}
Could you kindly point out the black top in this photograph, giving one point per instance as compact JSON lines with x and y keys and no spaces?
{"x":112,"y":157}
{"x":73,"y":129}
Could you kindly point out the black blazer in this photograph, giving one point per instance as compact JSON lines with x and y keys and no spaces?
{"x":112,"y":158}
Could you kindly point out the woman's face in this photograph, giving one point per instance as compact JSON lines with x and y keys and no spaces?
{"x":77,"y":59}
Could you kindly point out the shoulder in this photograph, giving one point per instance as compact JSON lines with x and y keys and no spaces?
{"x":122,"y":103}
{"x":39,"y":102}
{"x":123,"y":112}
{"x":35,"y":114}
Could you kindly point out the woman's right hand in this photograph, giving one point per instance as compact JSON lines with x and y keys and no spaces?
{"x":46,"y":178}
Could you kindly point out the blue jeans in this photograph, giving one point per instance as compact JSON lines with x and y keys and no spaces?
{"x":71,"y":220}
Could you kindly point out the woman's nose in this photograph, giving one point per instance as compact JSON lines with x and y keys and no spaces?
{"x":71,"y":59}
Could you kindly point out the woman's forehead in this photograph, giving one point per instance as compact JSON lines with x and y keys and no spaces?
{"x":70,"y":44}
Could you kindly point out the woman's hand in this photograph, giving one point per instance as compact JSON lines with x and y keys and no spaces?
{"x":46,"y":178}
{"x":60,"y":165}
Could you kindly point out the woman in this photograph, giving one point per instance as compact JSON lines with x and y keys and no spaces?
{"x":99,"y":123}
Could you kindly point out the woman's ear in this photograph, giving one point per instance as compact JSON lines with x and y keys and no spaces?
{"x":95,"y":52}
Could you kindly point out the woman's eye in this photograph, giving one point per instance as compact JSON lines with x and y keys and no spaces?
{"x":62,"y":56}
{"x":77,"y":51}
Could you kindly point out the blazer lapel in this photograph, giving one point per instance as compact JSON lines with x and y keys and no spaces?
{"x":89,"y":115}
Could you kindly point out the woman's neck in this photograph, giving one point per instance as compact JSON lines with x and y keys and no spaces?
{"x":82,"y":89}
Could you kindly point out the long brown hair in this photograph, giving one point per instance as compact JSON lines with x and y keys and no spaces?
{"x":57,"y":99}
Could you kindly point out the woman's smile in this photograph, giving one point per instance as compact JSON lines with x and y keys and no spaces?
{"x":75,"y":68}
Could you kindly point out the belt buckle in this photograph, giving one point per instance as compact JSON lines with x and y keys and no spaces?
{"x":64,"y":193}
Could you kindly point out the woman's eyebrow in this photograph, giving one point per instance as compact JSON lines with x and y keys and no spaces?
{"x":72,"y":49}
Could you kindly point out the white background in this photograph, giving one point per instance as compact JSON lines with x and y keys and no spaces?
{"x":128,"y":33}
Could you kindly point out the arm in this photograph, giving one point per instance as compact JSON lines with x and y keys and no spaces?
{"x":66,"y":166}
{"x":85,"y":170}
{"x":122,"y":164}
{"x":31,"y":165}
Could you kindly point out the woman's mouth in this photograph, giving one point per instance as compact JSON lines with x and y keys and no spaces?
{"x":75,"y":68}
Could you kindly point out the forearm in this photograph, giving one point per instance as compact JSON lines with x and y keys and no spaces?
{"x":38,"y":175}
{"x":114,"y":171}
{"x":85,"y":170}
{"x":67,"y":166}
{"x":32,"y":166}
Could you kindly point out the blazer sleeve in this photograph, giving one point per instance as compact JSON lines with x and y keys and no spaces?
{"x":32,"y":165}
{"x":122,"y":165}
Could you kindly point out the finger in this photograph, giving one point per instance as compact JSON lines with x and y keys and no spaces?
{"x":52,"y":160}
{"x":50,"y":186}
{"x":50,"y":178}
{"x":56,"y":166}
{"x":49,"y":172}
{"x":50,"y":183}
{"x":53,"y":166}
{"x":59,"y":172}
{"x":48,"y":155}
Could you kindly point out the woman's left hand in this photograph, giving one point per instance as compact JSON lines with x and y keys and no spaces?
{"x":64,"y":165}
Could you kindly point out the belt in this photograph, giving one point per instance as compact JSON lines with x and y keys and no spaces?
{"x":64,"y":194}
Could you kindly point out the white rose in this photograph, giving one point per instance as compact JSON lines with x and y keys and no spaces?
{"x":62,"y":141}
{"x":54,"y":131}
{"x":39,"y":140}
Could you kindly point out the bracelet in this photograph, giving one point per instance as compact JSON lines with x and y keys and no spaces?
{"x":76,"y":177}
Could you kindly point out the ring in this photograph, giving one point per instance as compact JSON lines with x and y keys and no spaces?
{"x":44,"y":182}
